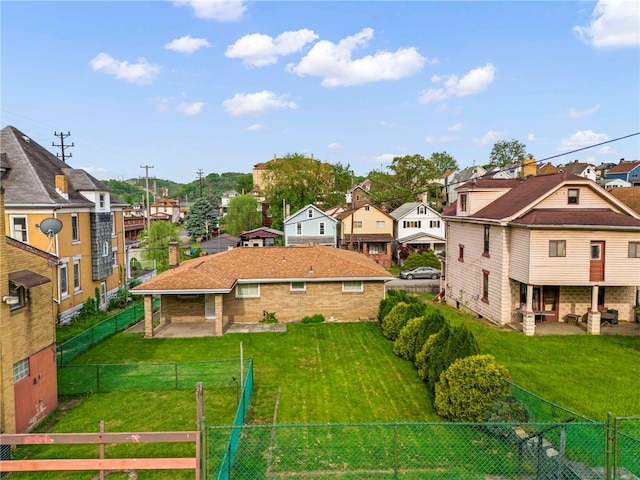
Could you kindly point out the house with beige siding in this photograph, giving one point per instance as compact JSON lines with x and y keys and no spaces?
{"x":554,"y":248}
{"x":28,"y":375}
{"x":240,"y":285}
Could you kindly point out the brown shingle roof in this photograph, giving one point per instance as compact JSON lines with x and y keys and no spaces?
{"x":629,"y":196}
{"x":624,"y":167}
{"x":307,"y":262}
{"x":571,"y":217}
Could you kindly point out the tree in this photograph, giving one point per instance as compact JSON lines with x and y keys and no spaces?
{"x":154,"y":241}
{"x":244,"y":184}
{"x":202,"y":219}
{"x":506,"y":153}
{"x":443,"y":162}
{"x":298,"y":181}
{"x":242,"y":214}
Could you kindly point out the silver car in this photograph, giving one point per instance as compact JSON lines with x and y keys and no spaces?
{"x":420,"y":272}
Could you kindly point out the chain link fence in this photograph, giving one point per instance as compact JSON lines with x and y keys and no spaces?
{"x":71,"y":349}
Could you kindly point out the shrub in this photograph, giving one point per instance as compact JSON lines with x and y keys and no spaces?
{"x":405,"y":344}
{"x":269,"y":317}
{"x":317,"y":318}
{"x":424,"y":259}
{"x":468,"y":388}
{"x":394,"y":320}
{"x":392,"y":299}
{"x":422,"y":358}
{"x":89,"y":308}
{"x":503,"y":410}
{"x":434,"y":322}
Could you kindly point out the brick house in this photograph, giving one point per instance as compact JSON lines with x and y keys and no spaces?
{"x":239,"y":285}
{"x":90,"y":245}
{"x":557,"y":248}
{"x":28,"y":377}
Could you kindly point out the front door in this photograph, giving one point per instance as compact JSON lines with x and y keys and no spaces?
{"x":550,"y":297}
{"x":596,"y":267}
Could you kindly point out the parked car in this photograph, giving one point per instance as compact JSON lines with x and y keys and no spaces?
{"x":420,"y":272}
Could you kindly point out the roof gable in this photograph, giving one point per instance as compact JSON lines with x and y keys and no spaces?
{"x":302,"y":214}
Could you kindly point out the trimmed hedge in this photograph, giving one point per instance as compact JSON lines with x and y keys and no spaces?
{"x":392,"y":299}
{"x":317,"y":318}
{"x":405,"y":344}
{"x":394,"y":320}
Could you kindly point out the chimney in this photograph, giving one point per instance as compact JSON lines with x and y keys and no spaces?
{"x":529,"y":167}
{"x":174,"y":254}
{"x":62,"y":185}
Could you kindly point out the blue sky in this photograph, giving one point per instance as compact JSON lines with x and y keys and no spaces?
{"x":223,"y":85}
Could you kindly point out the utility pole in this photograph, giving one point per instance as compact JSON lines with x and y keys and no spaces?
{"x":62,"y":146}
{"x":146,"y":176}
{"x":200,"y":173}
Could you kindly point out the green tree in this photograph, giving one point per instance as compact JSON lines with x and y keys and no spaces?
{"x":242,"y":214}
{"x":507,"y":152}
{"x":296,"y":180}
{"x":443,"y":162}
{"x":154,"y":241}
{"x":244,"y":184}
{"x":202,"y":219}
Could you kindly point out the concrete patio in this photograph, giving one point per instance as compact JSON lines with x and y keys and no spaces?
{"x":561,"y":328}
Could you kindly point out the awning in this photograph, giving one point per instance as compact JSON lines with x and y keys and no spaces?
{"x":27,"y":278}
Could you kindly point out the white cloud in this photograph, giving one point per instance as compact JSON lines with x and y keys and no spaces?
{"x":455,"y":128}
{"x":98,"y":172}
{"x":187,"y":44}
{"x":384,"y":123}
{"x":258,"y":50}
{"x":255,"y":103}
{"x":190,"y":108}
{"x":162,"y":103}
{"x":256,"y":127}
{"x":384,"y":158}
{"x":490,"y":137}
{"x":333,"y":62}
{"x":573,"y":113}
{"x":614,"y":23}
{"x":141,"y":73}
{"x":532,"y":137}
{"x":606,"y":149}
{"x":219,"y":10}
{"x":582,"y":138}
{"x":442,"y":139}
{"x":475,"y":81}
{"x":334,"y":146}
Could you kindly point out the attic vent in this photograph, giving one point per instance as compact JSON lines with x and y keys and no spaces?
{"x":26,"y":139}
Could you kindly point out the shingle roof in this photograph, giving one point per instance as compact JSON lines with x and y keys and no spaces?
{"x":302,"y":263}
{"x":624,"y":167}
{"x":628,"y":195}
{"x":404,"y":209}
{"x":33,"y":171}
{"x":601,"y":217}
{"x":575,"y":168}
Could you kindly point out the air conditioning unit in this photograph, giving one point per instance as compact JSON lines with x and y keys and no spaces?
{"x":9,"y":300}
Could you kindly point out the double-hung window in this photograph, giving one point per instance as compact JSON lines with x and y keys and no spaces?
{"x":557,"y":248}
{"x":19,"y":228}
{"x":75,"y":228}
{"x":352,"y":287}
{"x":248,"y":290}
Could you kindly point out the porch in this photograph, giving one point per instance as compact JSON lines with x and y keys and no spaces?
{"x":561,"y":328}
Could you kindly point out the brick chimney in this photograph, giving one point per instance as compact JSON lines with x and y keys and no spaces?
{"x":62,"y":185}
{"x":529,"y":167}
{"x":174,"y":254}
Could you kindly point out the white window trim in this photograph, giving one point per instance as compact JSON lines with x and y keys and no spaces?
{"x":64,"y":266}
{"x":346,"y":289}
{"x":113,"y":225}
{"x":115,"y":257}
{"x":76,"y":240}
{"x":78,"y":288}
{"x":20,"y":370}
{"x":239,"y":295}
{"x":12,"y":219}
{"x":292,"y":288}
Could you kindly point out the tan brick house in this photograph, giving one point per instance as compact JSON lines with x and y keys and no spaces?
{"x":239,"y":285}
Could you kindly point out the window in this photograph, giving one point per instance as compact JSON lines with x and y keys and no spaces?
{"x":101,"y":200}
{"x":595,"y":251}
{"x":113,"y":224}
{"x":64,"y":286}
{"x":105,"y":249}
{"x":557,"y":248}
{"x":485,"y":252}
{"x":434,"y":223}
{"x":573,"y":196}
{"x":19,"y":228}
{"x":20,"y":370}
{"x":310,"y":213}
{"x":321,"y":228}
{"x":248,"y":290}
{"x":380,"y":224}
{"x":76,"y":275}
{"x":422,"y":210}
{"x":377,"y":248}
{"x":367,"y":208}
{"x":634,"y":249}
{"x":352,"y":287}
{"x":18,"y":292}
{"x":357,"y":197}
{"x":75,"y":230}
{"x":299,"y":228}
{"x":461,"y":253}
{"x":357,"y":224}
{"x":485,"y":286}
{"x":114,"y":257}
{"x":298,"y":287}
{"x":463,"y":202}
{"x":411,"y":224}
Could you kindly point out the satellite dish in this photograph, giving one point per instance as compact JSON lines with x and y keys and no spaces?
{"x":50,"y":226}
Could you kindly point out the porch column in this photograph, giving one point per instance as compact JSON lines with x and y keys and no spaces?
{"x":148,"y":316}
{"x":219,"y":324}
{"x":528,"y":317}
{"x":593,"y":316}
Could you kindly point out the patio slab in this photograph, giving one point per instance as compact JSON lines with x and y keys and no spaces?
{"x":561,"y":328}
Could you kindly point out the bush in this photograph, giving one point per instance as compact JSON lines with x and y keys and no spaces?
{"x":392,"y":299}
{"x":317,"y":318}
{"x":434,"y":323}
{"x":424,"y":259}
{"x":89,"y":308}
{"x":269,"y":317}
{"x":394,"y":321}
{"x":422,"y":358}
{"x":436,"y":359}
{"x":504,"y":410}
{"x":405,"y":344}
{"x":468,"y":388}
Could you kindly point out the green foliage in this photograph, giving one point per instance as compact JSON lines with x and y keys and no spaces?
{"x":424,"y":259}
{"x":422,"y":358}
{"x":405,"y":344}
{"x":297,"y":181}
{"x":97,"y":294}
{"x":317,"y":318}
{"x":437,"y":359}
{"x":201,"y":220}
{"x":243,"y":184}
{"x":121,"y":299}
{"x":213,"y":186}
{"x":433,"y":324}
{"x":269,"y":317}
{"x":392,"y":298}
{"x":394,"y":320}
{"x":469,"y":386}
{"x":127,"y":191}
{"x":242,"y":214}
{"x":503,"y":410}
{"x":506,"y":152}
{"x":443,"y":162}
{"x":155,"y":243}
{"x":89,"y":308}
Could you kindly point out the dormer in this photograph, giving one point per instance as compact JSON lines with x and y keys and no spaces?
{"x":472,"y":197}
